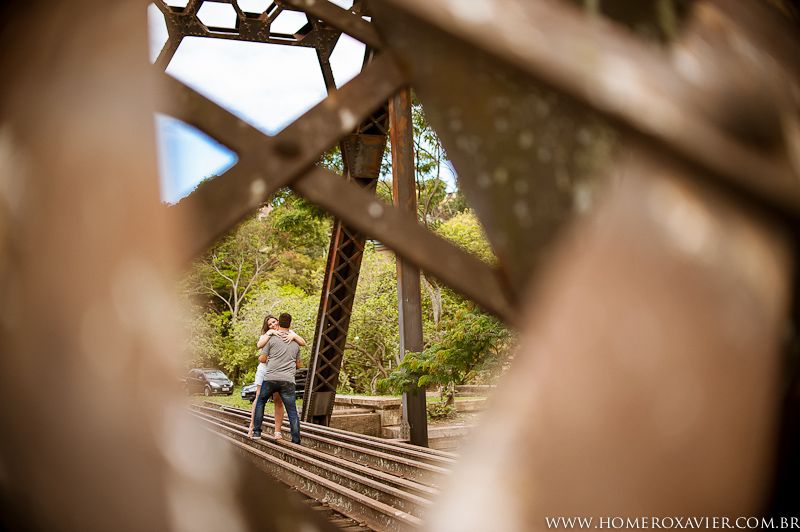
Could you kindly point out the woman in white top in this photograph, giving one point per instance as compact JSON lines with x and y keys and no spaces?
{"x":269,"y":328}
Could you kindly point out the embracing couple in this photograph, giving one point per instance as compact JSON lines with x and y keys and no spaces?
{"x":278,"y":361}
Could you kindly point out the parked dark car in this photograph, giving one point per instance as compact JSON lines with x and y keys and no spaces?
{"x":208,"y":381}
{"x":249,"y":391}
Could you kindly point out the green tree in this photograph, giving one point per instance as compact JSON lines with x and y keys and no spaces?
{"x":206,"y":342}
{"x":372,"y":345}
{"x":463,"y":343}
{"x":283,"y":244}
{"x":234,"y":265}
{"x":429,"y":158}
{"x":472,"y":342}
{"x":269,"y":298}
{"x":465,"y":231}
{"x":298,"y":239}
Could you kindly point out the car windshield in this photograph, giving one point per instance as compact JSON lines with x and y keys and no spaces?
{"x":215,"y":374}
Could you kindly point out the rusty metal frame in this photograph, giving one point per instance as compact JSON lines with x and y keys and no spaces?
{"x":226,"y":199}
{"x":255,"y":27}
{"x":414,"y":425}
{"x":529,"y":32}
{"x":57,"y":163}
{"x":362,"y":154}
{"x":265,"y":164}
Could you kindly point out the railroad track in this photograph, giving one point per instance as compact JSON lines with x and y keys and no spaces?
{"x":337,"y":519}
{"x":378,"y":484}
{"x":422,"y":465}
{"x":443,"y":458}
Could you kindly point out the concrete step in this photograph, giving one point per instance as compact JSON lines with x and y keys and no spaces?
{"x":343,"y":411}
{"x":475,"y":389}
{"x":470,"y":405}
{"x":390,"y":410}
{"x":388,"y":407}
{"x":361,"y":421}
{"x":443,"y":437}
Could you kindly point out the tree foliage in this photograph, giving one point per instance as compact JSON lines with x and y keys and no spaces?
{"x":282,"y":245}
{"x":472,"y":342}
{"x":273,"y":262}
{"x":373,"y":342}
{"x":271,"y":298}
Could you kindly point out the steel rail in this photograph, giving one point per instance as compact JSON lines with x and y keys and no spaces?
{"x":434,"y":456}
{"x":423,"y":490}
{"x":403,"y":475}
{"x":352,"y":438}
{"x":377,"y":515}
{"x":421,"y":472}
{"x":337,"y":519}
{"x":383,"y":487}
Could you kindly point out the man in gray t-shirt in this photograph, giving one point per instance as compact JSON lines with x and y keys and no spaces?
{"x":282,"y":361}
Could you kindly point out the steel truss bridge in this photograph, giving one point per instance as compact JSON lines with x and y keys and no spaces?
{"x":657,"y":303}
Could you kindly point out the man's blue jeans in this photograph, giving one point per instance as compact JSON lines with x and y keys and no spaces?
{"x":286,"y":391}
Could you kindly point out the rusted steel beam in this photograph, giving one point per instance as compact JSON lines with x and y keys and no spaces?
{"x":250,"y":27}
{"x":680,"y":297}
{"x":167,"y":53}
{"x":76,"y":130}
{"x":524,"y":179}
{"x":268,"y":163}
{"x":339,"y":18}
{"x":333,"y":320}
{"x":774,"y":34}
{"x":415,"y":414}
{"x":630,"y":83}
{"x":400,"y":232}
{"x":362,"y":154}
{"x":327,"y":71}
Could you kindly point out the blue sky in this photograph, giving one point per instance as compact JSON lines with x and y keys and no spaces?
{"x":268,"y":86}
